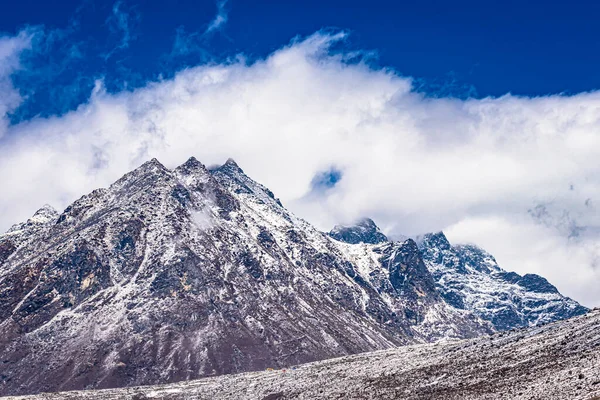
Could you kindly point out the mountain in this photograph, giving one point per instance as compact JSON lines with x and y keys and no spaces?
{"x":171,"y":275}
{"x":555,"y":361}
{"x":365,"y":231}
{"x":20,"y":234}
{"x":469,"y":278}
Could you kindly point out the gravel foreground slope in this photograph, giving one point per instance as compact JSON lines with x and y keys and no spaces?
{"x":556,"y":361}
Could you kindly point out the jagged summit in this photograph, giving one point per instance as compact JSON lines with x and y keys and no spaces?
{"x":47,"y":212}
{"x":191,"y":162}
{"x":437,"y":239}
{"x":229,"y":165}
{"x":363,"y":231}
{"x":153,"y":163}
{"x":232,"y":176}
{"x":192,"y":167}
{"x":150,"y":167}
{"x":470,"y":278}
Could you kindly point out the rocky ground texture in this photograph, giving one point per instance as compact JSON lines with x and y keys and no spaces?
{"x":556,"y":361}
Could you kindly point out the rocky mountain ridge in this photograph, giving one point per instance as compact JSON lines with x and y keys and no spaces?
{"x":469,"y":278}
{"x":171,"y":275}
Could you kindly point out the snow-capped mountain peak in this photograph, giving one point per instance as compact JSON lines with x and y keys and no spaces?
{"x":363,"y":231}
{"x":469,"y":278}
{"x":437,"y":240}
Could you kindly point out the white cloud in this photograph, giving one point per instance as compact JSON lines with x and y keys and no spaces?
{"x":10,"y":50}
{"x":220,"y":19}
{"x":415,"y":164}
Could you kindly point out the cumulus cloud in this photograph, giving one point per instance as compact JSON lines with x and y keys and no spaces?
{"x":476,"y":168}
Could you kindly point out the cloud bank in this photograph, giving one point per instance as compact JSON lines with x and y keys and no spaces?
{"x":518,"y":176}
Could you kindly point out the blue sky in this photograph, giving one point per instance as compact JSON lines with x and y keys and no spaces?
{"x":480,"y":119}
{"x":458,"y":48}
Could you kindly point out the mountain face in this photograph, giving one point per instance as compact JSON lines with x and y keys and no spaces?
{"x":469,"y":278}
{"x":171,"y":275}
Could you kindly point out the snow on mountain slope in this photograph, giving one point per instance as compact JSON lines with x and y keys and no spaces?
{"x":20,"y":233}
{"x":470,"y":279}
{"x":552,"y":362}
{"x":171,"y":275}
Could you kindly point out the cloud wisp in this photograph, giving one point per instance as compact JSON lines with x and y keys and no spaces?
{"x":192,"y":48}
{"x":220,"y":19}
{"x":472,"y":167}
{"x":122,"y":24}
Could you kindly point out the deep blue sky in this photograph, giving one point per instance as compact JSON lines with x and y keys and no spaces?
{"x":459,"y":48}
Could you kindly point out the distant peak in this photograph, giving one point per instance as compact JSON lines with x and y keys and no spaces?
{"x":363,"y":231}
{"x":147,"y":169}
{"x":192,"y":164}
{"x":230,"y":167}
{"x":410,"y":244}
{"x":230,"y":163}
{"x":153,"y":163}
{"x":45,"y":214}
{"x":437,"y":239}
{"x":46,"y":209}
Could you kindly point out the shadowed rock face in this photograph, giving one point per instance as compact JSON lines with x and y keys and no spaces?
{"x":6,"y":249}
{"x":171,"y":275}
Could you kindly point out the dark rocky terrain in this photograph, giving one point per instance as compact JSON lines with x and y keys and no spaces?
{"x":557,"y":361}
